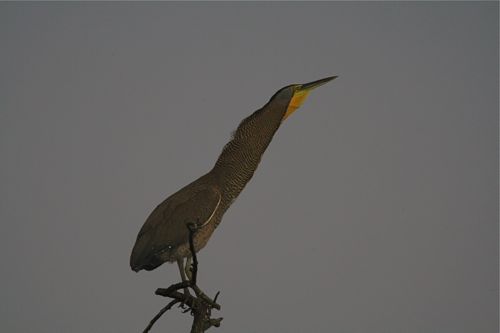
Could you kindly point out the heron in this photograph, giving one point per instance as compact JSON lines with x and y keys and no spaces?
{"x":164,"y":237}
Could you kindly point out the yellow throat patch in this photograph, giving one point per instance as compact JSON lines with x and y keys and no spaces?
{"x":298,"y":98}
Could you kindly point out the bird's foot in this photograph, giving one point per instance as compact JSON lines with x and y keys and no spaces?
{"x":201,"y":295}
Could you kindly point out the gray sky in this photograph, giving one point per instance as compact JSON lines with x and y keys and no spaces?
{"x":375,"y":208}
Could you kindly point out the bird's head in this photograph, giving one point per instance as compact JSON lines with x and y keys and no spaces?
{"x":294,"y":95}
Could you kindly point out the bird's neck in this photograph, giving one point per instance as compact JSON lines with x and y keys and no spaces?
{"x":241,"y":156}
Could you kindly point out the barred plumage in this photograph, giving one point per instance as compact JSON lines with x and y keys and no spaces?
{"x":164,"y":235}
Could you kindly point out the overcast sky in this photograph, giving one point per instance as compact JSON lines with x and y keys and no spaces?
{"x":375,"y":208}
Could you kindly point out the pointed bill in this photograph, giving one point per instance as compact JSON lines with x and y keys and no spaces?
{"x":315,"y":84}
{"x":301,"y":93}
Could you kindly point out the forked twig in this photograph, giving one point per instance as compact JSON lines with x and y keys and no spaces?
{"x":200,"y":306}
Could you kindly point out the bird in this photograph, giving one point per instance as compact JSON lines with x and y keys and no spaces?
{"x":164,"y":236}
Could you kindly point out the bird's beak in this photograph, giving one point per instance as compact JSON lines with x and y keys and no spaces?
{"x":301,"y":93}
{"x":315,"y":84}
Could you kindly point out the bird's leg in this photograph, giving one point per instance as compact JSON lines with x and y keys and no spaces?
{"x":180,"y":263}
{"x":188,"y":269}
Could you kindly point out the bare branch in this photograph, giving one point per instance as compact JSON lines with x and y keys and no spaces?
{"x":162,"y":311}
{"x":200,"y":306}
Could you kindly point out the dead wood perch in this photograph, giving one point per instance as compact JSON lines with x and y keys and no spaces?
{"x":200,"y":306}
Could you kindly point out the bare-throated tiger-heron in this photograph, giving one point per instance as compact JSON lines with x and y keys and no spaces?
{"x":165,"y":234}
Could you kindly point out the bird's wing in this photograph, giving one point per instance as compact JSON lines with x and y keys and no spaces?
{"x":166,"y":227}
{"x":198,"y":209}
